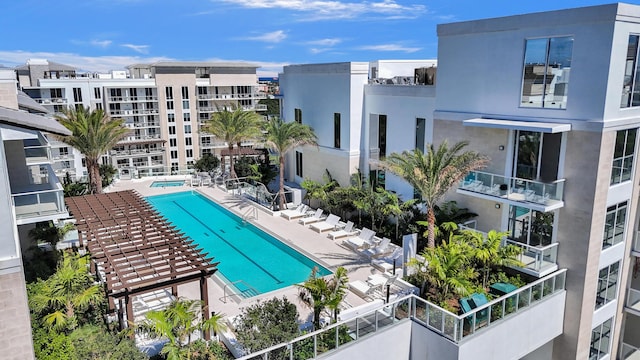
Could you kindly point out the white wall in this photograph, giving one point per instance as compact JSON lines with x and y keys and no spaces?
{"x":390,"y":343}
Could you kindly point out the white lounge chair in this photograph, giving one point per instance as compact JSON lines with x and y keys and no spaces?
{"x":346,"y":231}
{"x":362,"y":289}
{"x":381,"y":249}
{"x":298,"y":212}
{"x":195,"y":181}
{"x":317,"y":216}
{"x":329,"y":223}
{"x":385,"y":263}
{"x":364,"y":239}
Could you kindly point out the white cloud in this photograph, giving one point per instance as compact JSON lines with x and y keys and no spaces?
{"x":272,"y":37}
{"x":325,"y":42}
{"x":142,"y":49}
{"x":336,"y":9}
{"x":101,"y":43}
{"x":390,"y":47}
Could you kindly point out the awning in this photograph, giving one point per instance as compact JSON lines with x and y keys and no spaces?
{"x":518,"y":125}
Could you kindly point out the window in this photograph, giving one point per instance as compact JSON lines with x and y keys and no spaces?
{"x":98,"y":106}
{"x":623,"y":156}
{"x":171,"y":118}
{"x":174,"y":166}
{"x":77,"y":95}
{"x":187,"y":129}
{"x":64,"y":151}
{"x":148,"y":93}
{"x":382,"y":136}
{"x":298,"y":164}
{"x":420,"y":130}
{"x":169,"y":105}
{"x":530,"y":227}
{"x":174,"y":154}
{"x":545,"y":78}
{"x":614,"y":224}
{"x":172,"y":130}
{"x":55,"y":93}
{"x":189,"y":153}
{"x":600,"y":340}
{"x":186,"y":117}
{"x":96,"y":93}
{"x":297,"y":115}
{"x":169,"y":92}
{"x":630,"y":88}
{"x":188,"y":141}
{"x":185,"y":104}
{"x":185,"y":92}
{"x":133,"y":93}
{"x":607,"y":284}
{"x":336,"y":130}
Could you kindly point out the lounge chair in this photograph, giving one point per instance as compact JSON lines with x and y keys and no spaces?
{"x":383,"y":248}
{"x":330,"y":223}
{"x":362,"y":289}
{"x":195,"y":181}
{"x":346,"y":231}
{"x":385,"y":263}
{"x":317,"y":216}
{"x":298,"y":212}
{"x":364,"y":239}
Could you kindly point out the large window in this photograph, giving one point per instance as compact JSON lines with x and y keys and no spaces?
{"x":607,"y":284}
{"x":420,"y":130}
{"x":614,"y":224}
{"x":631,"y":90}
{"x":297,"y":115}
{"x":623,"y":156}
{"x":600,"y":340}
{"x":298,"y":164}
{"x":185,"y":92}
{"x":77,"y":95}
{"x":169,"y":92}
{"x":382,"y":136}
{"x":545,"y":78}
{"x":530,"y":227}
{"x":336,"y":130}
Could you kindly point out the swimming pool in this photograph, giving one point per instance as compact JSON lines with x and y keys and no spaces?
{"x":261,"y":262}
{"x":167,"y":183}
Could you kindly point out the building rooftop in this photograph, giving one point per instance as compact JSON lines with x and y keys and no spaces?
{"x":30,"y":121}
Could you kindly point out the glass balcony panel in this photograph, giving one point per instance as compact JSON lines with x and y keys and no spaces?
{"x":513,"y":188}
{"x":37,"y":154}
{"x":537,"y":259}
{"x":633,"y":299}
{"x":41,"y":197}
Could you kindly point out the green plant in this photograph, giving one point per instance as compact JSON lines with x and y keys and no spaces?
{"x":319,"y":293}
{"x":107,"y":173}
{"x":207,"y":163}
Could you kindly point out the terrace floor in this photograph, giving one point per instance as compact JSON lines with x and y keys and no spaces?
{"x":317,"y":246}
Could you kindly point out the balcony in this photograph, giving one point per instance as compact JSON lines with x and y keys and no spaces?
{"x":37,"y":154}
{"x":40,"y":200}
{"x":531,"y":194}
{"x":633,"y":301}
{"x":635,"y":248}
{"x":261,"y":107}
{"x":629,"y":352}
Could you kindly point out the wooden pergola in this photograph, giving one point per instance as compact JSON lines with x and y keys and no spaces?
{"x":134,"y":250}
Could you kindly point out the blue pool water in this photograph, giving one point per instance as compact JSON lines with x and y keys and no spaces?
{"x":167,"y":183}
{"x":245,"y":252}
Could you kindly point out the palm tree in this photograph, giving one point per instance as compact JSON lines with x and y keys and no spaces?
{"x":489,"y":252}
{"x":69,"y":290}
{"x":93,"y":133}
{"x":177,"y":323}
{"x":319,"y":293}
{"x":434,"y":173}
{"x":282,"y":137}
{"x":234,"y":127}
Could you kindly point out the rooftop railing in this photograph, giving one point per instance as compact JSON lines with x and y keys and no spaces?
{"x":452,"y":326}
{"x":513,"y":188}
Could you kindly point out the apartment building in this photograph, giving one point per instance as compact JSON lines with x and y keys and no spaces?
{"x":164,"y":104}
{"x":553,"y":99}
{"x":32,"y":193}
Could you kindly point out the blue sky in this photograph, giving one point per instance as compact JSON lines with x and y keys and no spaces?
{"x":102,"y":35}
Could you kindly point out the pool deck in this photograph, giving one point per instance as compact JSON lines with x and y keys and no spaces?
{"x":317,"y":246}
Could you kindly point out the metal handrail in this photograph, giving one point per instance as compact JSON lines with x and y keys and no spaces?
{"x":224,"y":290}
{"x":245,"y":216}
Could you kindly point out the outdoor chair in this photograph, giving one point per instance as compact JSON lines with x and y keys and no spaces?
{"x":317,"y":216}
{"x":364,"y":239}
{"x":346,"y":231}
{"x":330,"y":223}
{"x":298,"y":212}
{"x":383,"y":248}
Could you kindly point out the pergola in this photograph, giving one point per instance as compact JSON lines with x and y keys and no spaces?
{"x":134,"y":250}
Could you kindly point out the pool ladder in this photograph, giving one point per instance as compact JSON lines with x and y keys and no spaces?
{"x":252,"y":212}
{"x":249,"y":287}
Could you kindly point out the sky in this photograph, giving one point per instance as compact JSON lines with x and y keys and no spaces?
{"x":104,"y":35}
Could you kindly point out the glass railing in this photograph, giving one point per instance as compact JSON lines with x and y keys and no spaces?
{"x":49,"y":200}
{"x":629,"y":352}
{"x":633,"y":299}
{"x":452,"y":326}
{"x":636,"y":242}
{"x":255,"y":191}
{"x":513,"y":188}
{"x":537,"y":258}
{"x":37,"y":154}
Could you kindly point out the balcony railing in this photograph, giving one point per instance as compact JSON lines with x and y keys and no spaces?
{"x":633,"y":299}
{"x":449,"y":325}
{"x":40,"y":199}
{"x":515,"y":189}
{"x":629,"y":352}
{"x":37,"y":154}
